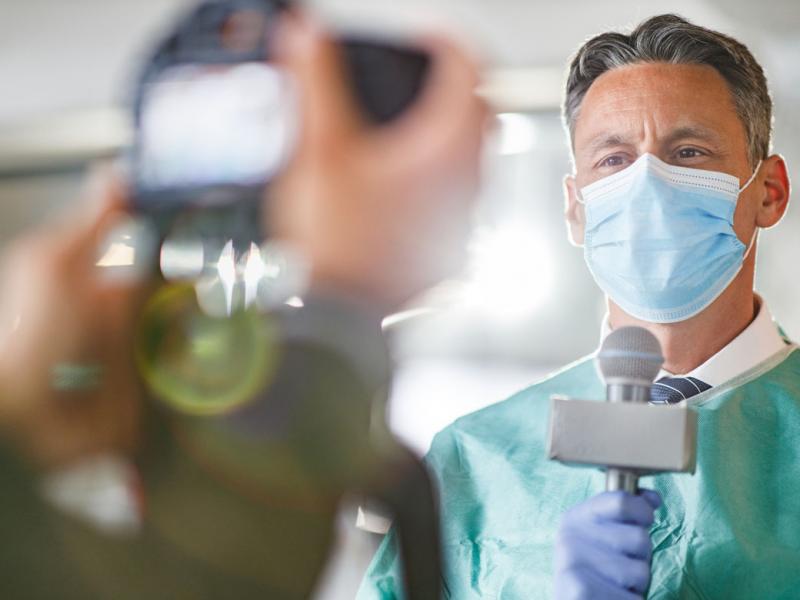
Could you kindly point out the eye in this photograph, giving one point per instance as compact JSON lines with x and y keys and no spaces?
{"x":612,"y":161}
{"x":689,"y":153}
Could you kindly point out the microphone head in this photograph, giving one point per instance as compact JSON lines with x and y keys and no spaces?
{"x":630,"y":355}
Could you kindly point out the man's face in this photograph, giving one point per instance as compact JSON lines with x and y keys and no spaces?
{"x":683,"y":114}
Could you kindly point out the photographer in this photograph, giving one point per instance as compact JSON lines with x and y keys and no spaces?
{"x":379,"y":213}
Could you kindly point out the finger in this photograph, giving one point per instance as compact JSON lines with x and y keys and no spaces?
{"x":77,"y":239}
{"x":622,"y":538}
{"x":620,"y":507}
{"x":626,"y":572}
{"x":581,"y":584}
{"x":451,"y":84}
{"x":652,"y":497}
{"x":328,"y":112}
{"x":445,"y":129}
{"x":623,"y":571}
{"x":449,"y":98}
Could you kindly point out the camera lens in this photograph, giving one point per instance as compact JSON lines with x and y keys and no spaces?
{"x":199,"y":364}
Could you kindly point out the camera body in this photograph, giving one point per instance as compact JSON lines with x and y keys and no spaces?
{"x":216,"y":121}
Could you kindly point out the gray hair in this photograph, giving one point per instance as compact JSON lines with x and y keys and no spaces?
{"x":672,"y":39}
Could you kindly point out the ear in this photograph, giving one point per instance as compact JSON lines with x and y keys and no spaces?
{"x":775,"y":192}
{"x":573,"y":211}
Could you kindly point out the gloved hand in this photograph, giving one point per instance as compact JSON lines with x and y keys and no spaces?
{"x":603,"y":547}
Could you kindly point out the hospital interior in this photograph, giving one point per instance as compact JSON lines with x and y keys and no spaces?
{"x":522,"y":307}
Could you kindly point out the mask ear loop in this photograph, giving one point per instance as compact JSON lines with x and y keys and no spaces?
{"x":758,"y":229}
{"x":752,"y":177}
{"x":752,"y":243}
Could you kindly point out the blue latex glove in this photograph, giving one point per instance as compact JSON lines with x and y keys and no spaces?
{"x":603,"y":547}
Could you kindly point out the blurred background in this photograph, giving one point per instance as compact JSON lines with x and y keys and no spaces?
{"x":527,"y":305}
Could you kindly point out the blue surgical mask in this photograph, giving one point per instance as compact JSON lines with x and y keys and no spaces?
{"x":659,"y":238}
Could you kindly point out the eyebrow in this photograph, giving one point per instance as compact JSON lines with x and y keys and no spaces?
{"x":603,"y":141}
{"x":696,"y":132}
{"x":607,"y":140}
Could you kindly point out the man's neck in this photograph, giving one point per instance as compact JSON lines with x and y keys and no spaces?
{"x":689,"y":344}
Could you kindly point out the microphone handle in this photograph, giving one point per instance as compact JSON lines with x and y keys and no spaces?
{"x":624,"y":391}
{"x":622,"y":480}
{"x":633,"y":391}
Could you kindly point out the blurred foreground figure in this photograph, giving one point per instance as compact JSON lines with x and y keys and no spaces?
{"x":673,"y":179}
{"x":240,"y":505}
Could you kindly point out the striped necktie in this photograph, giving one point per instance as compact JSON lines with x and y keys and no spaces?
{"x":671,"y":390}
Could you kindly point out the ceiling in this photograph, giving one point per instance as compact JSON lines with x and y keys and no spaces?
{"x":57,"y":56}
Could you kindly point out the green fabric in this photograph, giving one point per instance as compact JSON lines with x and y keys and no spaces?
{"x":731,"y":531}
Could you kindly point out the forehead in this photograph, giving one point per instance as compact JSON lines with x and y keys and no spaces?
{"x":652,"y":99}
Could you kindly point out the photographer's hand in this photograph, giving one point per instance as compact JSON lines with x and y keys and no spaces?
{"x":68,"y":388}
{"x":381,"y":212}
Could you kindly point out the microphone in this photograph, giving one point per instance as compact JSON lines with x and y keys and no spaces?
{"x":627,"y":437}
{"x":629,"y":360}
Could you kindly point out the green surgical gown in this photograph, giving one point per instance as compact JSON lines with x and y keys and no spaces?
{"x":731,"y":531}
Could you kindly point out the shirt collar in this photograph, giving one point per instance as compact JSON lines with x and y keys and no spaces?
{"x":760,"y":340}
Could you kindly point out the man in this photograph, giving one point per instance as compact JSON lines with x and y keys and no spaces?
{"x":243,"y":505}
{"x":670,"y":130}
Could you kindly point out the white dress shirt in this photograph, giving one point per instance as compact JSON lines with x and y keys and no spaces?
{"x":758,"y":342}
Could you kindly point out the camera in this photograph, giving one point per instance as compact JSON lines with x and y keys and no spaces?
{"x":216,"y":120}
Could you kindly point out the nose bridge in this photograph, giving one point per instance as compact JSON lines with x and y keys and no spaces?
{"x":651,"y":149}
{"x":648,"y":140}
